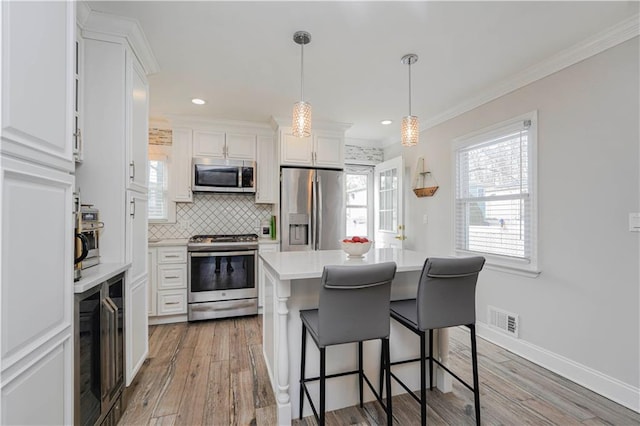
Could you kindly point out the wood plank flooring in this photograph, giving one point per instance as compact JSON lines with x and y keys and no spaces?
{"x":213,"y":373}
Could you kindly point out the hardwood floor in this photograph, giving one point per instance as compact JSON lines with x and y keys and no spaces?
{"x":213,"y":373}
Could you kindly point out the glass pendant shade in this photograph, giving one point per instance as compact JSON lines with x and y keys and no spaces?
{"x":301,"y":119}
{"x":410,"y":130}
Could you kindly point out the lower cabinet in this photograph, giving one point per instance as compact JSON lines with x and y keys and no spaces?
{"x":168,"y":269}
{"x":137,"y":326}
{"x":264,"y":247}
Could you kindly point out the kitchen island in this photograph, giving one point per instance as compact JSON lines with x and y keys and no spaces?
{"x":291,"y":284}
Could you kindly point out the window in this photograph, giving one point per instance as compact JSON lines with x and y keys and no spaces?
{"x":158,"y":189}
{"x":359,"y":196}
{"x":495,"y":203}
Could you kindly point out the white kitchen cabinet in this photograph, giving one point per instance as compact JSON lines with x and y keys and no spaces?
{"x":170,"y":294}
{"x":152,"y":283}
{"x":180,"y":177}
{"x":37,"y":350}
{"x":267,"y":183}
{"x":136,"y":327}
{"x":36,"y":158}
{"x":138,"y":104}
{"x":264,"y":247}
{"x":113,"y":174}
{"x":37,"y":81}
{"x":321,"y":149}
{"x":229,"y":145}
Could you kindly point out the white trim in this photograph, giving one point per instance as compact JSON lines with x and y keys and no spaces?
{"x":364,"y":143}
{"x":277,"y":122}
{"x":530,"y":268}
{"x":129,"y":28}
{"x":607,"y":386}
{"x":204,"y":123}
{"x":591,"y":46}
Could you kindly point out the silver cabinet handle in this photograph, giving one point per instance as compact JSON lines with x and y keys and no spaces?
{"x":173,"y":277}
{"x":172,"y":303}
{"x":132,"y":212}
{"x":132,"y":170}
{"x":172,"y":255}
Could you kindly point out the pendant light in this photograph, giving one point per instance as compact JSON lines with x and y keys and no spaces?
{"x":302,"y":110}
{"x":410,"y":128}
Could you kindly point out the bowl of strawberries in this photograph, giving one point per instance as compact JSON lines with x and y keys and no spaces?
{"x":356,"y":246}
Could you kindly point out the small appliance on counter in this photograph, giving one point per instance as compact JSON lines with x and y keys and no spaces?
{"x":88,"y":228}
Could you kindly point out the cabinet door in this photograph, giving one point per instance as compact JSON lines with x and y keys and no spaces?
{"x":180,"y":175}
{"x":208,"y":144}
{"x":137,"y":326}
{"x":153,"y":282}
{"x":329,"y":151}
{"x":136,"y":235}
{"x":38,"y":55}
{"x":241,"y":146}
{"x":138,"y":128}
{"x":295,"y":151}
{"x":266,"y":191}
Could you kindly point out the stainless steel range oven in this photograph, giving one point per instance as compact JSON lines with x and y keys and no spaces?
{"x":222,"y":276}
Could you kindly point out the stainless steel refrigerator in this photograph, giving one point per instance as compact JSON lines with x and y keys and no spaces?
{"x":311,"y":209}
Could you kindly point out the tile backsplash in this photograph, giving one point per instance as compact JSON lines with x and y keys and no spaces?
{"x":214,"y":214}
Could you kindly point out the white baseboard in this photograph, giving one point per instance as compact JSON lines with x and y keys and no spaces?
{"x":609,"y":387}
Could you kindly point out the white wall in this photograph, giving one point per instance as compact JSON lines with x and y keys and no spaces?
{"x":580,"y":317}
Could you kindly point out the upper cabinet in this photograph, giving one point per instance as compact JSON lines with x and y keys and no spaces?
{"x":324,"y":148}
{"x":180,"y":175}
{"x":237,"y":146}
{"x":267,"y":184}
{"x":37,"y":104}
{"x":138,"y":104}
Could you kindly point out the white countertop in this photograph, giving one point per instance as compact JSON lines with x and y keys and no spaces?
{"x":168,"y":242}
{"x":268,"y":241}
{"x":95,"y":275}
{"x":294,"y":265}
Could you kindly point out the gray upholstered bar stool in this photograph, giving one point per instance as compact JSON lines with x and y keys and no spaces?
{"x":446,"y":298}
{"x":353,"y":307}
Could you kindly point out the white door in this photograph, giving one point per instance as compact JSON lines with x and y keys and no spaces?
{"x":389,"y":216}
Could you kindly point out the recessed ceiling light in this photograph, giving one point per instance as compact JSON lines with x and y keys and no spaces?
{"x":386,"y":122}
{"x":198,"y":101}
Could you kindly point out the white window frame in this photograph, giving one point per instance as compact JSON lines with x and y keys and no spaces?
{"x":368,"y":170}
{"x":163,"y":153}
{"x":527,"y":267}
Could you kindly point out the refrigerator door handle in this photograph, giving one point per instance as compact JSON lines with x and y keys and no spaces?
{"x":314,"y":213}
{"x":318,"y":212}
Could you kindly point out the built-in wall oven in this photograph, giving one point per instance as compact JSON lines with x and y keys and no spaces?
{"x":99,"y":354}
{"x":222,"y":276}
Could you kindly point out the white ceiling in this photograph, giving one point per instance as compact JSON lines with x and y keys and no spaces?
{"x":241,"y":58}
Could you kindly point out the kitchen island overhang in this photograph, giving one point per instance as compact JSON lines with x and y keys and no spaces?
{"x":292,"y":283}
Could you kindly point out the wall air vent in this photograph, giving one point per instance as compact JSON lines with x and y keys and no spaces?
{"x":503,"y":321}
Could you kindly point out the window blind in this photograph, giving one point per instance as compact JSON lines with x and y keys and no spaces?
{"x":493,"y":209}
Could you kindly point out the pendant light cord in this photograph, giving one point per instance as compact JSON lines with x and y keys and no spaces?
{"x":302,"y":72}
{"x":409,"y":87}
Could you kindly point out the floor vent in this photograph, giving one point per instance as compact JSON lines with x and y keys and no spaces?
{"x":504,"y":321}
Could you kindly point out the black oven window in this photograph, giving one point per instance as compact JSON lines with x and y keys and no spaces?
{"x":222,"y":273}
{"x":216,"y":176}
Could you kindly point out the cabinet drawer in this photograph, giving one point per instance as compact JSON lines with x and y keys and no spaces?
{"x":172,"y":302}
{"x":172,"y":276}
{"x":172,"y":255}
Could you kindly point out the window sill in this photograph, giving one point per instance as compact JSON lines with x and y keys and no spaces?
{"x":495,"y":263}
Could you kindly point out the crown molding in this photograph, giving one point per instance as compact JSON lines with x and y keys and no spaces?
{"x":277,"y":122}
{"x":130,"y":29}
{"x":615,"y":35}
{"x":82,"y":12}
{"x":195,"y":121}
{"x":363,"y":143}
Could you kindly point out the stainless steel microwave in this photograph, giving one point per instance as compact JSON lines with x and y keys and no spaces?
{"x":218,"y":175}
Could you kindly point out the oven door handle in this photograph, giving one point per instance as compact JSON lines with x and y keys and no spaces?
{"x":221,"y":253}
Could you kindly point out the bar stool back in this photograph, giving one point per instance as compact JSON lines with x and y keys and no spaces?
{"x":353,"y":307}
{"x":445,"y":298}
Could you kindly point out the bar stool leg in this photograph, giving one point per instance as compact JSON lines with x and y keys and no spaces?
{"x":431,"y":359}
{"x":322,"y":384}
{"x":423,"y":382}
{"x":382,"y":369}
{"x":387,"y":360}
{"x":476,"y":382}
{"x":360,"y":372}
{"x":303,"y":358}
